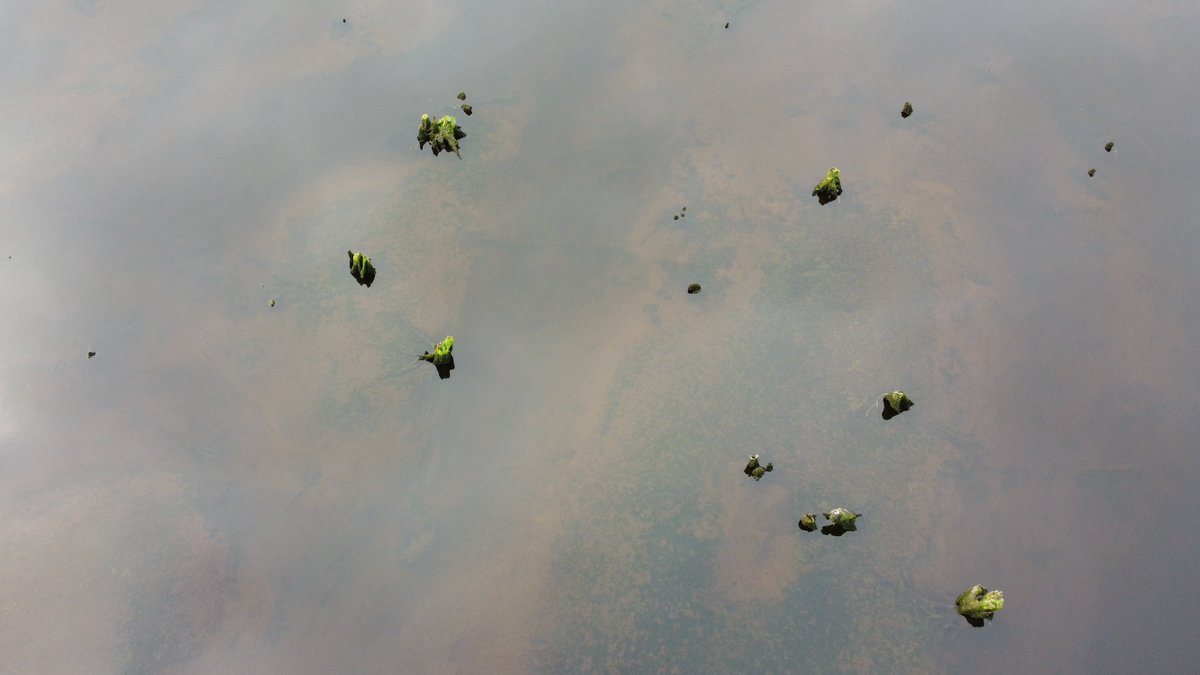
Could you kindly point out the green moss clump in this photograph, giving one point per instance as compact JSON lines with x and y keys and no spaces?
{"x":361,"y":269}
{"x":441,"y":135}
{"x":808,"y":522}
{"x":977,"y":604}
{"x":906,"y":110}
{"x":1091,"y":172}
{"x":843,"y":517}
{"x":693,"y":289}
{"x":466,"y":108}
{"x":1109,"y":146}
{"x":441,"y":353}
{"x":829,"y":188}
{"x":755,"y":470}
{"x":841,"y":521}
{"x":462,"y":95}
{"x":895,"y":402}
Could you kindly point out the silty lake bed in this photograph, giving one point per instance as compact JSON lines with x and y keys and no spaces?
{"x":234,"y":486}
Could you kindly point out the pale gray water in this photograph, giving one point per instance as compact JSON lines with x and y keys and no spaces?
{"x":231,"y":487}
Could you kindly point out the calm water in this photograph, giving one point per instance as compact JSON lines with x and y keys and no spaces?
{"x":233,"y":487}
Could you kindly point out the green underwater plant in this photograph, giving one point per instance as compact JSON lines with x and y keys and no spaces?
{"x":978,"y":603}
{"x":361,"y":269}
{"x":441,"y":135}
{"x":829,"y":188}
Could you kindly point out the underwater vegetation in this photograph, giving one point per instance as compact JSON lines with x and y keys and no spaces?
{"x":906,"y":110}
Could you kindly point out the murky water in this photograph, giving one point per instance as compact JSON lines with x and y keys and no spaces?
{"x":230,"y":486}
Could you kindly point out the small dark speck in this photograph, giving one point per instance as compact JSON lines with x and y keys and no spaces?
{"x":727,"y":24}
{"x":343,"y":21}
{"x":91,"y":354}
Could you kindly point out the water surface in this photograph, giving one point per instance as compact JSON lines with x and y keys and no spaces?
{"x":233,"y":487}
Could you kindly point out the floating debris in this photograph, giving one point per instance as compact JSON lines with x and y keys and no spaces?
{"x":829,"y":189}
{"x":906,"y":110}
{"x":693,"y":289}
{"x":977,"y":604}
{"x":894,"y":403}
{"x":808,"y":522}
{"x":462,"y":95}
{"x":466,"y":108}
{"x":441,"y":135}
{"x":91,"y":354}
{"x":442,"y":357}
{"x":1109,"y":146}
{"x":841,"y":521}
{"x":1091,"y":172}
{"x":754,"y":470}
{"x":361,"y":269}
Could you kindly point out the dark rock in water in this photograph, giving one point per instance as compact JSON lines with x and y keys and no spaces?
{"x":906,"y":110}
{"x":693,"y":289}
{"x":1108,"y":146}
{"x":91,"y":354}
{"x":462,"y":95}
{"x":466,"y":108}
{"x":1091,"y":172}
